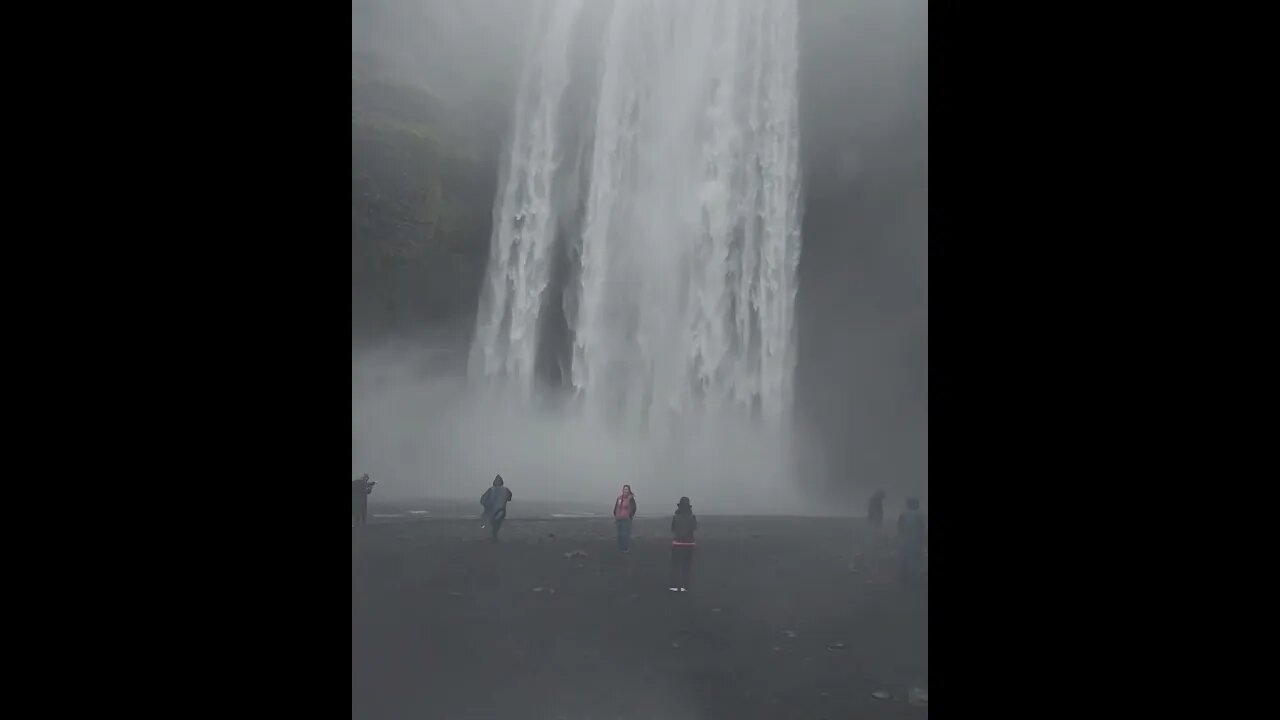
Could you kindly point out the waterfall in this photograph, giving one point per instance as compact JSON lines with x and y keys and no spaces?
{"x":670,"y":199}
{"x":506,"y":336}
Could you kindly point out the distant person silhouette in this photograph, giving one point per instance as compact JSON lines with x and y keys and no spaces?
{"x":494,"y":500}
{"x":683,"y":524}
{"x":875,"y":509}
{"x":361,"y":488}
{"x":913,"y":540}
{"x":624,"y":510}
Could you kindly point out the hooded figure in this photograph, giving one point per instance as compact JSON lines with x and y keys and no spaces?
{"x":494,"y":501}
{"x":624,"y":510}
{"x":360,"y":490}
{"x":875,"y":509}
{"x":913,"y":538}
{"x":683,"y":525}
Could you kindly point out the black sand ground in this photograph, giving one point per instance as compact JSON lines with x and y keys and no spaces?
{"x":445,"y":624}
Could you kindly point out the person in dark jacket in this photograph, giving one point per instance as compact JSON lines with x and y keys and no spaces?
{"x":875,"y":509}
{"x":360,"y":490}
{"x":913,"y":539}
{"x":495,"y":501}
{"x":683,"y":525}
{"x":624,"y":511}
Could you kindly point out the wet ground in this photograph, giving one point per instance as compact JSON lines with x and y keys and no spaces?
{"x":786,"y":618}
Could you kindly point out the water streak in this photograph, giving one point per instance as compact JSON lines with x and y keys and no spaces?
{"x":680,"y":292}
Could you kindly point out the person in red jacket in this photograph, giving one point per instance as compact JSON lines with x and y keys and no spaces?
{"x":683,"y":525}
{"x":624,"y":510}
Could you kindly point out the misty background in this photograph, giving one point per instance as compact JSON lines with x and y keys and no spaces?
{"x":433,"y":83}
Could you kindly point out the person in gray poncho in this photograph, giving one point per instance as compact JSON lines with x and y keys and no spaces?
{"x":494,"y":501}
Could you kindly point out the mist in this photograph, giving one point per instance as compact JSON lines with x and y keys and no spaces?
{"x":862,"y":377}
{"x":425,"y":431}
{"x":859,"y":421}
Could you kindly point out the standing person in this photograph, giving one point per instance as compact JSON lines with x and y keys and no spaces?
{"x":913,"y":538}
{"x":360,"y":491}
{"x":624,"y":510}
{"x":495,"y":501}
{"x":875,"y":509}
{"x":683,"y":525}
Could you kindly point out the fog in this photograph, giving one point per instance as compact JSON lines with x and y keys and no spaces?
{"x":860,"y":421}
{"x":425,"y":431}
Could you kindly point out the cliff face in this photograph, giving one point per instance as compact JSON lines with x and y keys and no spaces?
{"x":863,"y":306}
{"x":431,"y":88}
{"x":421,"y":197}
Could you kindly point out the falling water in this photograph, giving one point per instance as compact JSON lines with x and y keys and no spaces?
{"x":679,"y":230}
{"x":506,"y":335}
